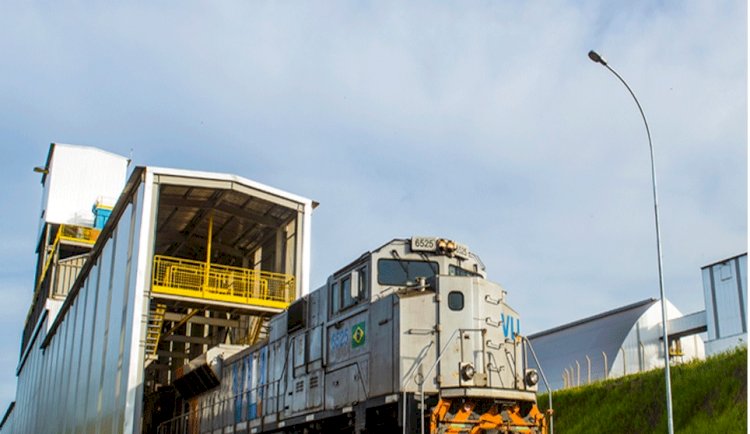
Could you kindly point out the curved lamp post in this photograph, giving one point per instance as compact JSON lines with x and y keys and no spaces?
{"x":594,"y":56}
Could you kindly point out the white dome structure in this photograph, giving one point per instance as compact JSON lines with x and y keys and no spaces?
{"x":611,"y":344}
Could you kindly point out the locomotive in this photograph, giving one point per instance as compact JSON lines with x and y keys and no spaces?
{"x":410,"y":337}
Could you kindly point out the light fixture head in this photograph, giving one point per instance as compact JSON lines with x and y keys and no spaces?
{"x":594,"y":56}
{"x":38,"y":169}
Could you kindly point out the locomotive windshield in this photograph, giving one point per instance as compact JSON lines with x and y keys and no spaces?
{"x":401,"y":272}
{"x":456,"y":271}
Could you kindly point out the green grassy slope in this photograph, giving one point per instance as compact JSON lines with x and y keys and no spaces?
{"x":708,"y":397}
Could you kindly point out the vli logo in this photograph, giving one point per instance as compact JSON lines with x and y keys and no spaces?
{"x":511,"y":326}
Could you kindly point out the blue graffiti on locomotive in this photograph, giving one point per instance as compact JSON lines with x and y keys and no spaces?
{"x":339,"y":339}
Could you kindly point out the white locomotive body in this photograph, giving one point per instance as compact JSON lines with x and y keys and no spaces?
{"x":410,"y":337}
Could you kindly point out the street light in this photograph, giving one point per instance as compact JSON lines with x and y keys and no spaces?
{"x":595,"y":57}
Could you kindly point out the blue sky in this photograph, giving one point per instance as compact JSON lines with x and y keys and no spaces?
{"x":480,"y":121}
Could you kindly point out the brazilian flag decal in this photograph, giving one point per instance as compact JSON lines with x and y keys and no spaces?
{"x":358,"y":335}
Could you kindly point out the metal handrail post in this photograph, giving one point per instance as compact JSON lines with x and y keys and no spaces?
{"x":208,"y":250}
{"x":546,"y":384}
{"x":408,"y":377}
{"x":429,"y":371}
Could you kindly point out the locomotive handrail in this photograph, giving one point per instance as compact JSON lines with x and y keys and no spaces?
{"x":417,"y":362}
{"x":546,"y":384}
{"x":492,"y":367}
{"x":422,"y":354}
{"x":512,"y":359}
{"x":424,"y":377}
{"x":437,"y":360}
{"x":421,"y":389}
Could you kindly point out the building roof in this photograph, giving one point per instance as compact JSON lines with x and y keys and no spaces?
{"x":647,"y":302}
{"x":599,"y":337}
{"x":724,"y":260}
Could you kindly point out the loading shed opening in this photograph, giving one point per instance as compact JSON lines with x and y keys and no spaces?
{"x":227,"y":255}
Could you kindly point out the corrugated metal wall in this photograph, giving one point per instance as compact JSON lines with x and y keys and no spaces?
{"x":725,"y":290}
{"x":87,"y":378}
{"x":725,"y":293}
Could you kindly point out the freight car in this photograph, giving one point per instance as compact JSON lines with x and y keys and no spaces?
{"x":410,"y":337}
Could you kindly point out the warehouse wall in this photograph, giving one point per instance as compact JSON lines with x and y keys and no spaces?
{"x":725,"y":292}
{"x":83,"y":376}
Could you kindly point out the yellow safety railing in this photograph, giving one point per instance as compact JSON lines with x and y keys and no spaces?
{"x":189,"y":278}
{"x":78,"y":234}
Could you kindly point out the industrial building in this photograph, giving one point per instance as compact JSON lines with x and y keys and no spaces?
{"x":725,"y":294}
{"x":139,"y":274}
{"x":148,"y":278}
{"x":173,"y":302}
{"x":628,"y":339}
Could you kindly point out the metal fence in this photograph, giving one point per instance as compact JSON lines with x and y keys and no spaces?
{"x":593,"y":369}
{"x":597,"y":367}
{"x":220,"y":282}
{"x":66,"y":273}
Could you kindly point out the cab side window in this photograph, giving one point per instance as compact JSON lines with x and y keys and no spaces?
{"x":335,"y":297}
{"x":349,"y":290}
{"x":346,"y":293}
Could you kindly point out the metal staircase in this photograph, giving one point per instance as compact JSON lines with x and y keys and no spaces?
{"x":153,"y":331}
{"x":258,"y":329}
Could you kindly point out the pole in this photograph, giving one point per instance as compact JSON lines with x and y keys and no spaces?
{"x":208,"y":250}
{"x":665,"y":337}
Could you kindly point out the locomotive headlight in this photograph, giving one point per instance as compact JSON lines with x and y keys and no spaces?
{"x":532,"y":378}
{"x":441,"y":243}
{"x":446,"y":246}
{"x":467,"y":372}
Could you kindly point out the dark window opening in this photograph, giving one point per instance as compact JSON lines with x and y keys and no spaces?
{"x":346,"y":293}
{"x":335,"y":297}
{"x":400,"y":272}
{"x":297,"y":315}
{"x":456,"y":271}
{"x":341,"y":291}
{"x":455,"y":300}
